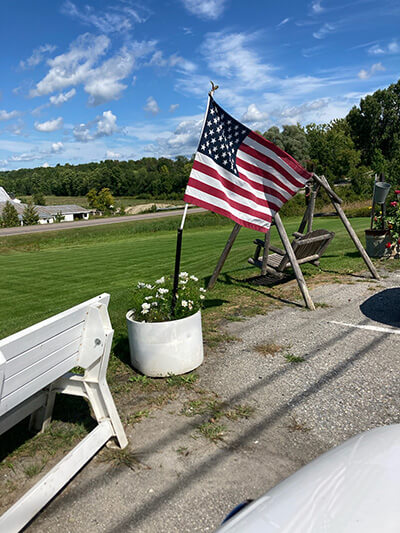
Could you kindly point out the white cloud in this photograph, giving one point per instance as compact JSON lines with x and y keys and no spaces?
{"x":45,"y":165}
{"x":74,"y":66}
{"x":174,"y":60}
{"x":80,"y":65}
{"x":29,"y":156}
{"x":101,"y":126}
{"x":325,"y":30}
{"x":57,"y":147}
{"x":120,"y":17}
{"x":320,"y":111}
{"x":377,"y":50}
{"x":316,"y":7}
{"x":62,"y":97}
{"x":173,"y":107}
{"x":366,"y":74}
{"x":183,"y":141}
{"x":253,"y":114}
{"x":283,"y":22}
{"x":230,"y":56}
{"x":151,"y":106}
{"x":208,"y":9}
{"x":37,"y":56}
{"x":7,"y":115}
{"x":49,"y":125}
{"x":112,"y":155}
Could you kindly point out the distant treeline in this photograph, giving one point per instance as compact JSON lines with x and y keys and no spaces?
{"x":365,"y":142}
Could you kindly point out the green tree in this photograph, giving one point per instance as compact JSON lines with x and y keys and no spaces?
{"x":58,"y":217}
{"x":295,"y":142}
{"x":38,"y":198}
{"x":275,"y":136}
{"x":91,"y":198}
{"x":102,"y":201}
{"x":105,"y":200}
{"x":30,"y":216}
{"x":10,"y":216}
{"x":375,"y":123}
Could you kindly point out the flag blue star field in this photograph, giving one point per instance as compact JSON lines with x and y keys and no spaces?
{"x":239,"y":174}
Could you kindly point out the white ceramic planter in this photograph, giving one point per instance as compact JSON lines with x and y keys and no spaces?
{"x":161,"y":348}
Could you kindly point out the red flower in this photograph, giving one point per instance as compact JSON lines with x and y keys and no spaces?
{"x":398,"y":241}
{"x":388,"y":245}
{"x":393,"y":204}
{"x":397,"y":191}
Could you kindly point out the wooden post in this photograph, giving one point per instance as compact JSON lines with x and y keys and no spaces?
{"x":310,"y":212}
{"x":224,"y":255}
{"x":324,"y":182}
{"x":265,"y":253}
{"x":293,"y":261}
{"x":351,"y":231}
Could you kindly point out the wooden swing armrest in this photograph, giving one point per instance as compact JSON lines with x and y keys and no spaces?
{"x":277,"y":250}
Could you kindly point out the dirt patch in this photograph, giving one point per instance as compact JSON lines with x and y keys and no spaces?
{"x":143,"y":208}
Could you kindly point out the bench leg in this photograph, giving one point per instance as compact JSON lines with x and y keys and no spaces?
{"x":99,"y":393}
{"x":41,"y":418}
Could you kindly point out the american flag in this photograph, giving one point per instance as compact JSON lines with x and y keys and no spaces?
{"x":239,"y":174}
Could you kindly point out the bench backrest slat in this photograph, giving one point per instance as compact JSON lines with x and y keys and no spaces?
{"x":40,"y":354}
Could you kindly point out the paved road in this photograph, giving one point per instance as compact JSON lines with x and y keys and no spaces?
{"x":4,"y":232}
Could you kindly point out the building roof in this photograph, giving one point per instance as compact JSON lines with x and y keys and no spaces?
{"x":48,"y":211}
{"x":51,"y":210}
{"x":4,"y":197}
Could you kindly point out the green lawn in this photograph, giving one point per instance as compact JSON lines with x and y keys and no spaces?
{"x":43,"y":275}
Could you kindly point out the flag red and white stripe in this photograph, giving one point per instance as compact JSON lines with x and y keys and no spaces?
{"x":239,"y":174}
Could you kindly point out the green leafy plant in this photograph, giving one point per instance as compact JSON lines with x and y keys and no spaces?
{"x":152,"y":302}
{"x":291,"y":358}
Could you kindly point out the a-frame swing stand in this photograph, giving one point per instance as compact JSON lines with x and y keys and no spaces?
{"x":317,"y":182}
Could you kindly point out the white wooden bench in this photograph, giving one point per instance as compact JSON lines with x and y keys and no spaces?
{"x":35,"y":364}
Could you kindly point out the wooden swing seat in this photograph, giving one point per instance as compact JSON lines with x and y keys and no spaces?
{"x":307,"y":248}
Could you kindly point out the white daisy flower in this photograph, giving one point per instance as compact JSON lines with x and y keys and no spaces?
{"x":140,"y":285}
{"x":148,"y":286}
{"x":194,"y":278}
{"x":202,"y":290}
{"x":148,"y":297}
{"x":202,"y":297}
{"x":184,"y":303}
{"x":162,"y":291}
{"x":145,"y":307}
{"x":183,"y":275}
{"x":161,"y":280}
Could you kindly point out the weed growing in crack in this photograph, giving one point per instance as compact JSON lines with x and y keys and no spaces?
{"x":291,"y":358}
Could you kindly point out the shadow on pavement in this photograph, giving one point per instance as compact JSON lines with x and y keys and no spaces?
{"x":383,"y":307}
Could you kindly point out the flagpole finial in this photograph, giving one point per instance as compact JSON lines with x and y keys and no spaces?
{"x":213,"y":89}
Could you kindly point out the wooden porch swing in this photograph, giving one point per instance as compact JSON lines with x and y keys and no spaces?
{"x":306,"y":247}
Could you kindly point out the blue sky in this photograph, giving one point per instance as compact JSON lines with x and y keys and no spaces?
{"x":120,"y":79}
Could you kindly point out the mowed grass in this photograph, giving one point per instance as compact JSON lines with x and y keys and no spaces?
{"x":41,"y":275}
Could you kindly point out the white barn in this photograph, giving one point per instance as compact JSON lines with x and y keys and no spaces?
{"x":47,"y":213}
